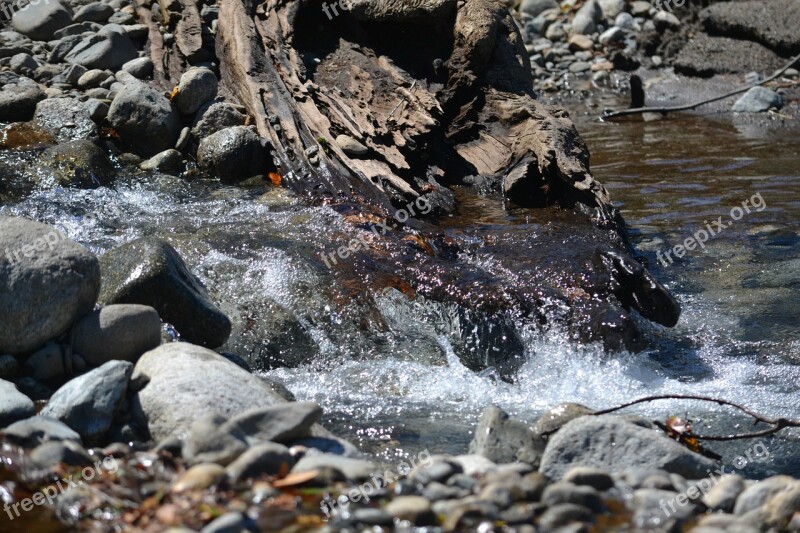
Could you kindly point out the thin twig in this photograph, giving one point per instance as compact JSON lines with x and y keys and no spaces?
{"x":665,"y":110}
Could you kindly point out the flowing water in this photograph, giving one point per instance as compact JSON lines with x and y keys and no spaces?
{"x":400,"y":388}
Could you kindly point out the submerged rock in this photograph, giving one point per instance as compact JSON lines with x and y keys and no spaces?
{"x":40,"y":264}
{"x":149,"y":271}
{"x":187,"y":382}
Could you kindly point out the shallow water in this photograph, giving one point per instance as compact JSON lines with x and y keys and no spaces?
{"x":393,"y":383}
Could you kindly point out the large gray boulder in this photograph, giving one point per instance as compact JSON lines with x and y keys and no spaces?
{"x":144,"y":119}
{"x":66,"y":119}
{"x":186,"y":382}
{"x":18,"y":98}
{"x":117,"y":332}
{"x":89,"y":403}
{"x":614,"y":444}
{"x":47,"y":282}
{"x":233,"y":154}
{"x":14,"y":405}
{"x":40,"y":19}
{"x":103,"y":50}
{"x":214,"y":116}
{"x":150,"y":272}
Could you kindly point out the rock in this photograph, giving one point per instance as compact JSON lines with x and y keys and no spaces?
{"x":611,"y":8}
{"x":279,"y":423}
{"x":563,"y":492}
{"x":14,"y":405}
{"x":233,"y":154}
{"x":93,"y":78}
{"x":504,"y":440}
{"x":626,"y":21}
{"x":144,"y":119}
{"x":23,"y":64}
{"x":666,"y":21}
{"x":18,"y":99}
{"x":473,"y":465}
{"x":9,"y":367}
{"x":187,"y":382}
{"x":705,"y":56}
{"x":97,"y":109}
{"x":169,"y":161}
{"x":89,"y":403}
{"x":268,"y":458}
{"x":579,"y":66}
{"x":67,"y":119}
{"x":40,"y":264}
{"x":580,"y":42}
{"x":415,"y":509}
{"x":228,"y":523}
{"x":758,"y":100}
{"x":141,"y":67}
{"x":40,"y":20}
{"x":641,"y":8}
{"x":722,"y":496}
{"x":781,"y":508}
{"x":38,"y":429}
{"x":74,"y":72}
{"x":94,"y":12}
{"x":62,"y":47}
{"x":211,"y":441}
{"x":33,"y":389}
{"x":775,"y":26}
{"x":535,"y":7}
{"x":103,"y":50}
{"x":346,"y":468}
{"x":759,"y":493}
{"x":662,"y":509}
{"x":199,"y":477}
{"x":80,"y":163}
{"x":197,"y":86}
{"x":592,"y":477}
{"x":556,"y":417}
{"x":351,"y":146}
{"x":149,"y":271}
{"x":117,"y":332}
{"x":50,"y":362}
{"x":77,"y":29}
{"x":214,"y":116}
{"x":555,"y":32}
{"x":608,"y":442}
{"x":57,"y":452}
{"x":584,"y":21}
{"x":184,"y":140}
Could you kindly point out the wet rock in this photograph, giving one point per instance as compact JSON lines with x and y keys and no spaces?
{"x":775,"y":26}
{"x":199,"y":477}
{"x":144,"y":119}
{"x":187,"y":382}
{"x":117,"y":332}
{"x":40,"y":264}
{"x":150,"y":272}
{"x":169,"y":161}
{"x":211,"y":441}
{"x":592,"y":477}
{"x":278,"y":423}
{"x":705,"y":56}
{"x":233,"y":154}
{"x":722,"y":496}
{"x":535,"y":7}
{"x":608,"y":442}
{"x":141,"y":67}
{"x":38,"y":429}
{"x":51,"y":362}
{"x":268,"y":458}
{"x":351,"y":146}
{"x":215,"y":116}
{"x":89,"y":403}
{"x":58,"y":452}
{"x":94,"y":12}
{"x":80,"y":163}
{"x":40,"y":20}
{"x":503,"y":439}
{"x":24,"y":136}
{"x":197,"y":86}
{"x":18,"y":98}
{"x":759,"y":493}
{"x":345,"y":468}
{"x":14,"y":405}
{"x":758,"y":100}
{"x":103,"y":50}
{"x":67,"y":119}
